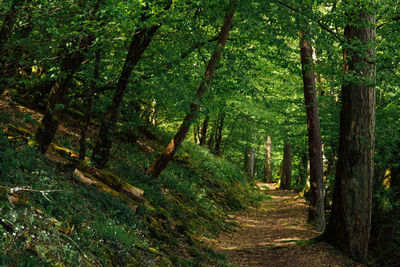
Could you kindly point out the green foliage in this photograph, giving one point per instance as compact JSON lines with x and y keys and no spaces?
{"x":67,"y":223}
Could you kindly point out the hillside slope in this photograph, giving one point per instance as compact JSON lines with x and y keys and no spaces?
{"x":50,"y":217}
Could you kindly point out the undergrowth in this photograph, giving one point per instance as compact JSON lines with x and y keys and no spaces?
{"x":49,"y":218}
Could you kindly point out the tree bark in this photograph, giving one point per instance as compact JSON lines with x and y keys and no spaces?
{"x":203,"y":133}
{"x":249,"y":161}
{"x":69,"y":66}
{"x":162,"y":161}
{"x":88,"y":107}
{"x":8,"y":23}
{"x":268,"y":165}
{"x":218,"y":137}
{"x":50,"y":121}
{"x":350,"y":220}
{"x":141,"y":40}
{"x":316,"y":214}
{"x":6,"y":29}
{"x":286,"y":176}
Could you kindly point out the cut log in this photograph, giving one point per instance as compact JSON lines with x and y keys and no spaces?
{"x":111,"y":180}
{"x":102,"y":179}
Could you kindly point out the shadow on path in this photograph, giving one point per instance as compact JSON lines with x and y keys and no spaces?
{"x":271,"y":235}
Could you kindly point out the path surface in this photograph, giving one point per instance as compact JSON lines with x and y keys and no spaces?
{"x":271,"y":236}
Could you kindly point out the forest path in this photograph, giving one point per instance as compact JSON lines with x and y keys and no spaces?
{"x":271,"y":235}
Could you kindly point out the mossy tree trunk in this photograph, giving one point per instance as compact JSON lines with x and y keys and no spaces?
{"x":167,"y":155}
{"x":350,"y":221}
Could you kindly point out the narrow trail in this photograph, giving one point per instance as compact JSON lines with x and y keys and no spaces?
{"x":272,"y":235}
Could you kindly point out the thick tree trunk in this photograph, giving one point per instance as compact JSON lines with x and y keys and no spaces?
{"x":350,"y":220}
{"x":88,"y":107}
{"x":267,"y":164}
{"x":203,"y":133}
{"x":218,"y":137}
{"x":286,"y":176}
{"x":162,"y":161}
{"x":316,"y":214}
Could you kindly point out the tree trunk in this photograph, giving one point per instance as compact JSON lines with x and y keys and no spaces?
{"x":162,"y":161}
{"x":390,"y":223}
{"x":267,"y":165}
{"x":350,"y":220}
{"x":141,"y":40}
{"x":50,"y":121}
{"x":203,"y":133}
{"x":218,"y":137}
{"x":88,"y":107}
{"x":286,"y":177}
{"x":196,"y":134}
{"x":249,"y":161}
{"x":6,"y":29}
{"x":303,"y":171}
{"x":316,"y":214}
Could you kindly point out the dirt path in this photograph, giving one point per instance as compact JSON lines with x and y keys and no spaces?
{"x":271,"y":236}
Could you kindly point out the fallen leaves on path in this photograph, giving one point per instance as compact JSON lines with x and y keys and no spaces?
{"x":275,"y":234}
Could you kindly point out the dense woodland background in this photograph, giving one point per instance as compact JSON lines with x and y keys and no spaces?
{"x":172,"y":110}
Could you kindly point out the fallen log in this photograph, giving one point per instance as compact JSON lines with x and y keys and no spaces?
{"x":102,"y":179}
{"x":110,"y":179}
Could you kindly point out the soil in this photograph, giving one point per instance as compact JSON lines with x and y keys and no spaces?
{"x":276,"y":234}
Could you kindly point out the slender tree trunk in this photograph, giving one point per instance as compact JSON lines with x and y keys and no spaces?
{"x":204,"y":128}
{"x":162,"y":161}
{"x":50,"y":121}
{"x":218,"y":137}
{"x":350,"y":220}
{"x":267,"y":165}
{"x":286,"y":176}
{"x":249,"y":161}
{"x":6,"y":29}
{"x":88,"y":107}
{"x":69,"y":66}
{"x":8,"y":23}
{"x":196,"y":136}
{"x":303,"y":171}
{"x":316,"y":214}
{"x":390,"y":223}
{"x":141,"y":40}
{"x":210,"y":142}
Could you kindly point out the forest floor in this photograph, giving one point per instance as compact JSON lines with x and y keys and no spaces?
{"x":276,"y":234}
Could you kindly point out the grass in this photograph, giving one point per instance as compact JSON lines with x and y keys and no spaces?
{"x":59,"y":221}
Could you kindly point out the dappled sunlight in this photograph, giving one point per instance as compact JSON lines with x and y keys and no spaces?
{"x":270,"y":235}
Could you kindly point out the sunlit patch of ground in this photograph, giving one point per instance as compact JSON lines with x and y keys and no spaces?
{"x":271,"y":235}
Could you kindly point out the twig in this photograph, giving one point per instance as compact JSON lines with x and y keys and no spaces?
{"x":18,"y":188}
{"x":394,"y":73}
